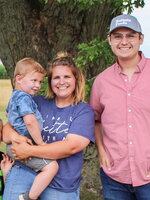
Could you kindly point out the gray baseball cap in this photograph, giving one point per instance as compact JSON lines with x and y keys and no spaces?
{"x":125,"y":21}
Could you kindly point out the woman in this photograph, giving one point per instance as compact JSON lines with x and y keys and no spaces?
{"x":68,"y":129}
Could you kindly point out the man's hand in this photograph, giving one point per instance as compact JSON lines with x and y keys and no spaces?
{"x":104,"y":160}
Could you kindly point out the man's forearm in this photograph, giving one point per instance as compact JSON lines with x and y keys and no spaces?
{"x":98,"y":136}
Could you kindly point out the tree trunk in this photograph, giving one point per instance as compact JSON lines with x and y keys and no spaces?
{"x":29,"y":29}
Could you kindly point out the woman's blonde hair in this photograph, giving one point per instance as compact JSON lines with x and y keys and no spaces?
{"x":65,"y":59}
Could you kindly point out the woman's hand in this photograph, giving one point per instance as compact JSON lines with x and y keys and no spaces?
{"x":19,"y":139}
{"x":20,"y":148}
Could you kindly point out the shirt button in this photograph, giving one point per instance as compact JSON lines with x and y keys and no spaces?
{"x":125,"y":80}
{"x":129,"y":94}
{"x":129,"y":110}
{"x":130,"y":126}
{"x":130,"y":142}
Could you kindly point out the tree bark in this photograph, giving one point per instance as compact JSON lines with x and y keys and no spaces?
{"x":29,"y":29}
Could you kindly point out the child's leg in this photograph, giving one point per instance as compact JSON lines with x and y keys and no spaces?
{"x":43,"y":179}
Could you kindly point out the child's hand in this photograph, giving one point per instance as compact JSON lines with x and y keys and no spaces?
{"x":20,"y":138}
{"x":6,"y":164}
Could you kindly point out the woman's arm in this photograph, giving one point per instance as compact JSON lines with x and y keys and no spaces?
{"x":56,"y":150}
{"x":9,"y":135}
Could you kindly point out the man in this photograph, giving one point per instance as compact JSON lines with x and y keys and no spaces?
{"x":121,"y":99}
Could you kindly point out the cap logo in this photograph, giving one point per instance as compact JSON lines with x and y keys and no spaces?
{"x":122,"y":21}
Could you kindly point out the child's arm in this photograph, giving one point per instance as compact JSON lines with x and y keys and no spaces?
{"x":6,"y":165}
{"x":33,"y":128}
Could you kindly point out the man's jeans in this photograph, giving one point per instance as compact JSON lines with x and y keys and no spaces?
{"x":113,"y":190}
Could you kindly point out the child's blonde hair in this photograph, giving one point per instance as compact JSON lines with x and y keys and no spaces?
{"x":27,"y":65}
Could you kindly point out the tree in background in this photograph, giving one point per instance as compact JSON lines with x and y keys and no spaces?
{"x":41,"y":28}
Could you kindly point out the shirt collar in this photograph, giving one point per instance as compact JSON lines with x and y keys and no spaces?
{"x":140,"y":65}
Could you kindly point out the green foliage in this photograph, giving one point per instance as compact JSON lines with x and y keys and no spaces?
{"x":128,"y":5}
{"x":43,"y":1}
{"x":88,"y":86}
{"x":95,"y":53}
{"x":3,"y":73}
{"x":43,"y":90}
{"x":80,"y":4}
{"x":123,"y":5}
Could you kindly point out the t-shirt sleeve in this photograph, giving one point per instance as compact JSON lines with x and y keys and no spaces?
{"x":26,"y":105}
{"x":83,"y":123}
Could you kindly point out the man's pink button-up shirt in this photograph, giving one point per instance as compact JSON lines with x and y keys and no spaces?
{"x":123,"y":108}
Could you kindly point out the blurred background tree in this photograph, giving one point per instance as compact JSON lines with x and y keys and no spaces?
{"x":41,"y":28}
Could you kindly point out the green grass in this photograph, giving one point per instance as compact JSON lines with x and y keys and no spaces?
{"x":3,"y":113}
{"x":3,"y":73}
{"x":4,"y":118}
{"x":5,"y":93}
{"x":2,"y":147}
